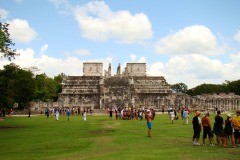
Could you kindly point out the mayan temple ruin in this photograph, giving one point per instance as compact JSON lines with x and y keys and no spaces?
{"x":132,"y":87}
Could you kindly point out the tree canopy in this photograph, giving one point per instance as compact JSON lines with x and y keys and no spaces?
{"x":6,"y":42}
{"x":16,"y":86}
{"x":179,"y":88}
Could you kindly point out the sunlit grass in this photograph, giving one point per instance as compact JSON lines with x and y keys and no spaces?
{"x":99,"y":138}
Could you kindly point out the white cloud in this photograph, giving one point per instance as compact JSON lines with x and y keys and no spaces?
{"x":98,"y":22}
{"x":142,"y":60}
{"x":195,"y":39}
{"x":196,"y":69}
{"x":155,"y":69}
{"x":20,"y":31}
{"x":83,"y":52}
{"x":3,"y":13}
{"x":237,"y":36}
{"x":133,"y":57}
{"x":43,"y":48}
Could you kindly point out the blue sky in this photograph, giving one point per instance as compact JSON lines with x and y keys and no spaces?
{"x":192,"y":42}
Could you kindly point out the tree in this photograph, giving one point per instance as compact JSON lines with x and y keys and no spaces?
{"x":207,"y":89}
{"x":16,"y":86}
{"x":47,"y":88}
{"x":233,"y":86}
{"x":6,"y":42}
{"x":179,"y":88}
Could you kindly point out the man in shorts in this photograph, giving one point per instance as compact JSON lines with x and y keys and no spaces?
{"x":148,"y":117}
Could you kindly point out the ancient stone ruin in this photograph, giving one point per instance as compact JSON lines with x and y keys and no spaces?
{"x":132,"y":88}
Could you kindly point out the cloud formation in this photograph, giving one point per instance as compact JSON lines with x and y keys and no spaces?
{"x":195,"y":39}
{"x":43,"y":48}
{"x":99,"y":23}
{"x":20,"y":31}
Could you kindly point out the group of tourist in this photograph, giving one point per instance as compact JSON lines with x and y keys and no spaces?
{"x":224,"y":130}
{"x":57,"y":112}
{"x":129,"y":114}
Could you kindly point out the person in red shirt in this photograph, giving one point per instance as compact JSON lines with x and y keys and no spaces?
{"x":207,"y":129}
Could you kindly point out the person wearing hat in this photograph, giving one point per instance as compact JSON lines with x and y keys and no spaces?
{"x":236,"y":123}
{"x":148,"y":117}
{"x":207,"y":129}
{"x":196,"y":122}
{"x":220,"y":135}
{"x":229,"y":131}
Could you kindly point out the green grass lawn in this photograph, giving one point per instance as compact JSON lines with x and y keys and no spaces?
{"x":98,"y":138}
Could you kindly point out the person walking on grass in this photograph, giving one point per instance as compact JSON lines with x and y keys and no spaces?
{"x":172,"y":115}
{"x":229,"y":131}
{"x":185,"y":116}
{"x":84,"y":114}
{"x":148,"y":117}
{"x":68,"y":114}
{"x":196,"y":122}
{"x":207,"y":129}
{"x":57,"y":114}
{"x":220,"y":135}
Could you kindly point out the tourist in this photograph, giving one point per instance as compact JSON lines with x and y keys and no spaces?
{"x":68,"y":114}
{"x":84,"y":115}
{"x":116,"y":114}
{"x":148,"y":117}
{"x":29,"y":112}
{"x":57,"y":114}
{"x":140,"y":115}
{"x":185,"y":116}
{"x":236,"y":123}
{"x":172,"y":115}
{"x":110,"y":113}
{"x":220,"y":136}
{"x":196,"y":122}
{"x":136,"y":114}
{"x":162,"y":109}
{"x":229,"y":131}
{"x":47,"y":112}
{"x":152,"y":113}
{"x":207,"y":129}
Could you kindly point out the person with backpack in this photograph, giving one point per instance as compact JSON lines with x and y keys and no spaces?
{"x":229,"y":131}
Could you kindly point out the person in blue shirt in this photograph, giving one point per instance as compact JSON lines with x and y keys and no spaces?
{"x":68,"y":114}
{"x":185,"y":116}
